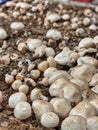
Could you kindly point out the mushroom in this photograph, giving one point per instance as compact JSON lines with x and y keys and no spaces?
{"x":3,"y":34}
{"x":22,"y":110}
{"x":50,"y":120}
{"x":61,"y":106}
{"x":16,"y":84}
{"x":24,"y":88}
{"x":84,"y":109}
{"x":54,"y":34}
{"x":63,"y":57}
{"x":35,"y":74}
{"x":15,"y":98}
{"x":49,"y":52}
{"x":17,"y":26}
{"x":48,"y":72}
{"x":40,"y":107}
{"x":92,"y":123}
{"x":88,"y":60}
{"x":73,"y":123}
{"x":94,"y":80}
{"x":94,"y":102}
{"x":71,"y":92}
{"x":9,"y":78}
{"x":56,"y":86}
{"x":53,"y":17}
{"x":86,"y":43}
{"x":51,"y":61}
{"x":57,"y":75}
{"x":32,"y":44}
{"x":37,"y":94}
{"x":82,"y":84}
{"x":83,"y":72}
{"x":42,"y":66}
{"x":40,"y":51}
{"x":22,"y":5}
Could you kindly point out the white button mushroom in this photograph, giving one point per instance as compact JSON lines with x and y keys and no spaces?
{"x":48,"y":72}
{"x":86,"y":43}
{"x":58,"y":74}
{"x":37,"y":94}
{"x":83,"y":85}
{"x":63,"y":57}
{"x":24,"y":88}
{"x":17,"y":25}
{"x":66,"y":17}
{"x":84,"y":109}
{"x":50,"y":120}
{"x":54,"y":34}
{"x":14,"y":99}
{"x":22,"y":47}
{"x":71,"y":92}
{"x":61,"y":106}
{"x":94,"y":80}
{"x":53,"y":17}
{"x":51,"y":61}
{"x":86,"y":21}
{"x":22,"y":110}
{"x":33,"y":44}
{"x":3,"y":34}
{"x":43,"y":66}
{"x":23,"y":5}
{"x":83,"y":72}
{"x":93,"y":27}
{"x":16,"y":84}
{"x":35,"y":74}
{"x":74,"y":123}
{"x":40,"y":107}
{"x":49,"y":52}
{"x":9,"y":78}
{"x":92,"y":123}
{"x":55,"y":88}
{"x":5,"y":59}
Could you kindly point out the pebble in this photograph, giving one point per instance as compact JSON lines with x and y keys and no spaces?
{"x":3,"y":34}
{"x":22,"y":110}
{"x":14,"y":99}
{"x":54,"y":34}
{"x":17,"y":25}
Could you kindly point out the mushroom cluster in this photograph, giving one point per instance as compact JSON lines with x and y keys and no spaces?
{"x":50,"y":61}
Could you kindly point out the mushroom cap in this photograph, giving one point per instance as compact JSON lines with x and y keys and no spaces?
{"x":86,"y":43}
{"x":16,"y":84}
{"x":15,"y":98}
{"x":53,"y":17}
{"x":71,"y":92}
{"x":50,"y":120}
{"x":54,"y":34}
{"x":17,"y":25}
{"x":22,"y":110}
{"x":61,"y":106}
{"x":3,"y":34}
{"x":40,"y":107}
{"x":74,"y":123}
{"x":84,"y":109}
{"x":92,"y":123}
{"x":55,"y":87}
{"x":94,"y":80}
{"x":48,"y":72}
{"x":94,"y":102}
{"x":33,"y":44}
{"x":35,"y":94}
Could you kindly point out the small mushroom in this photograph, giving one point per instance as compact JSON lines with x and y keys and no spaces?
{"x":22,"y":5}
{"x":56,"y":86}
{"x":92,"y":123}
{"x":1,"y":97}
{"x":71,"y":92}
{"x":49,"y":52}
{"x":40,"y":107}
{"x":17,"y":26}
{"x":24,"y":88}
{"x":50,"y":120}
{"x":14,"y":99}
{"x":84,"y":109}
{"x":54,"y":34}
{"x":3,"y":34}
{"x":53,"y":17}
{"x":48,"y":72}
{"x":37,"y":94}
{"x":9,"y":78}
{"x":94,"y":80}
{"x":16,"y":84}
{"x":86,"y":43}
{"x":61,"y":106}
{"x":42,"y":66}
{"x":35,"y":74}
{"x":32,"y":44}
{"x":83,"y":72}
{"x":94,"y":102}
{"x":22,"y":110}
{"x":74,"y":123}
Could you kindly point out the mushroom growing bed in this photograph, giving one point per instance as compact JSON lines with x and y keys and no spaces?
{"x":48,"y":66}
